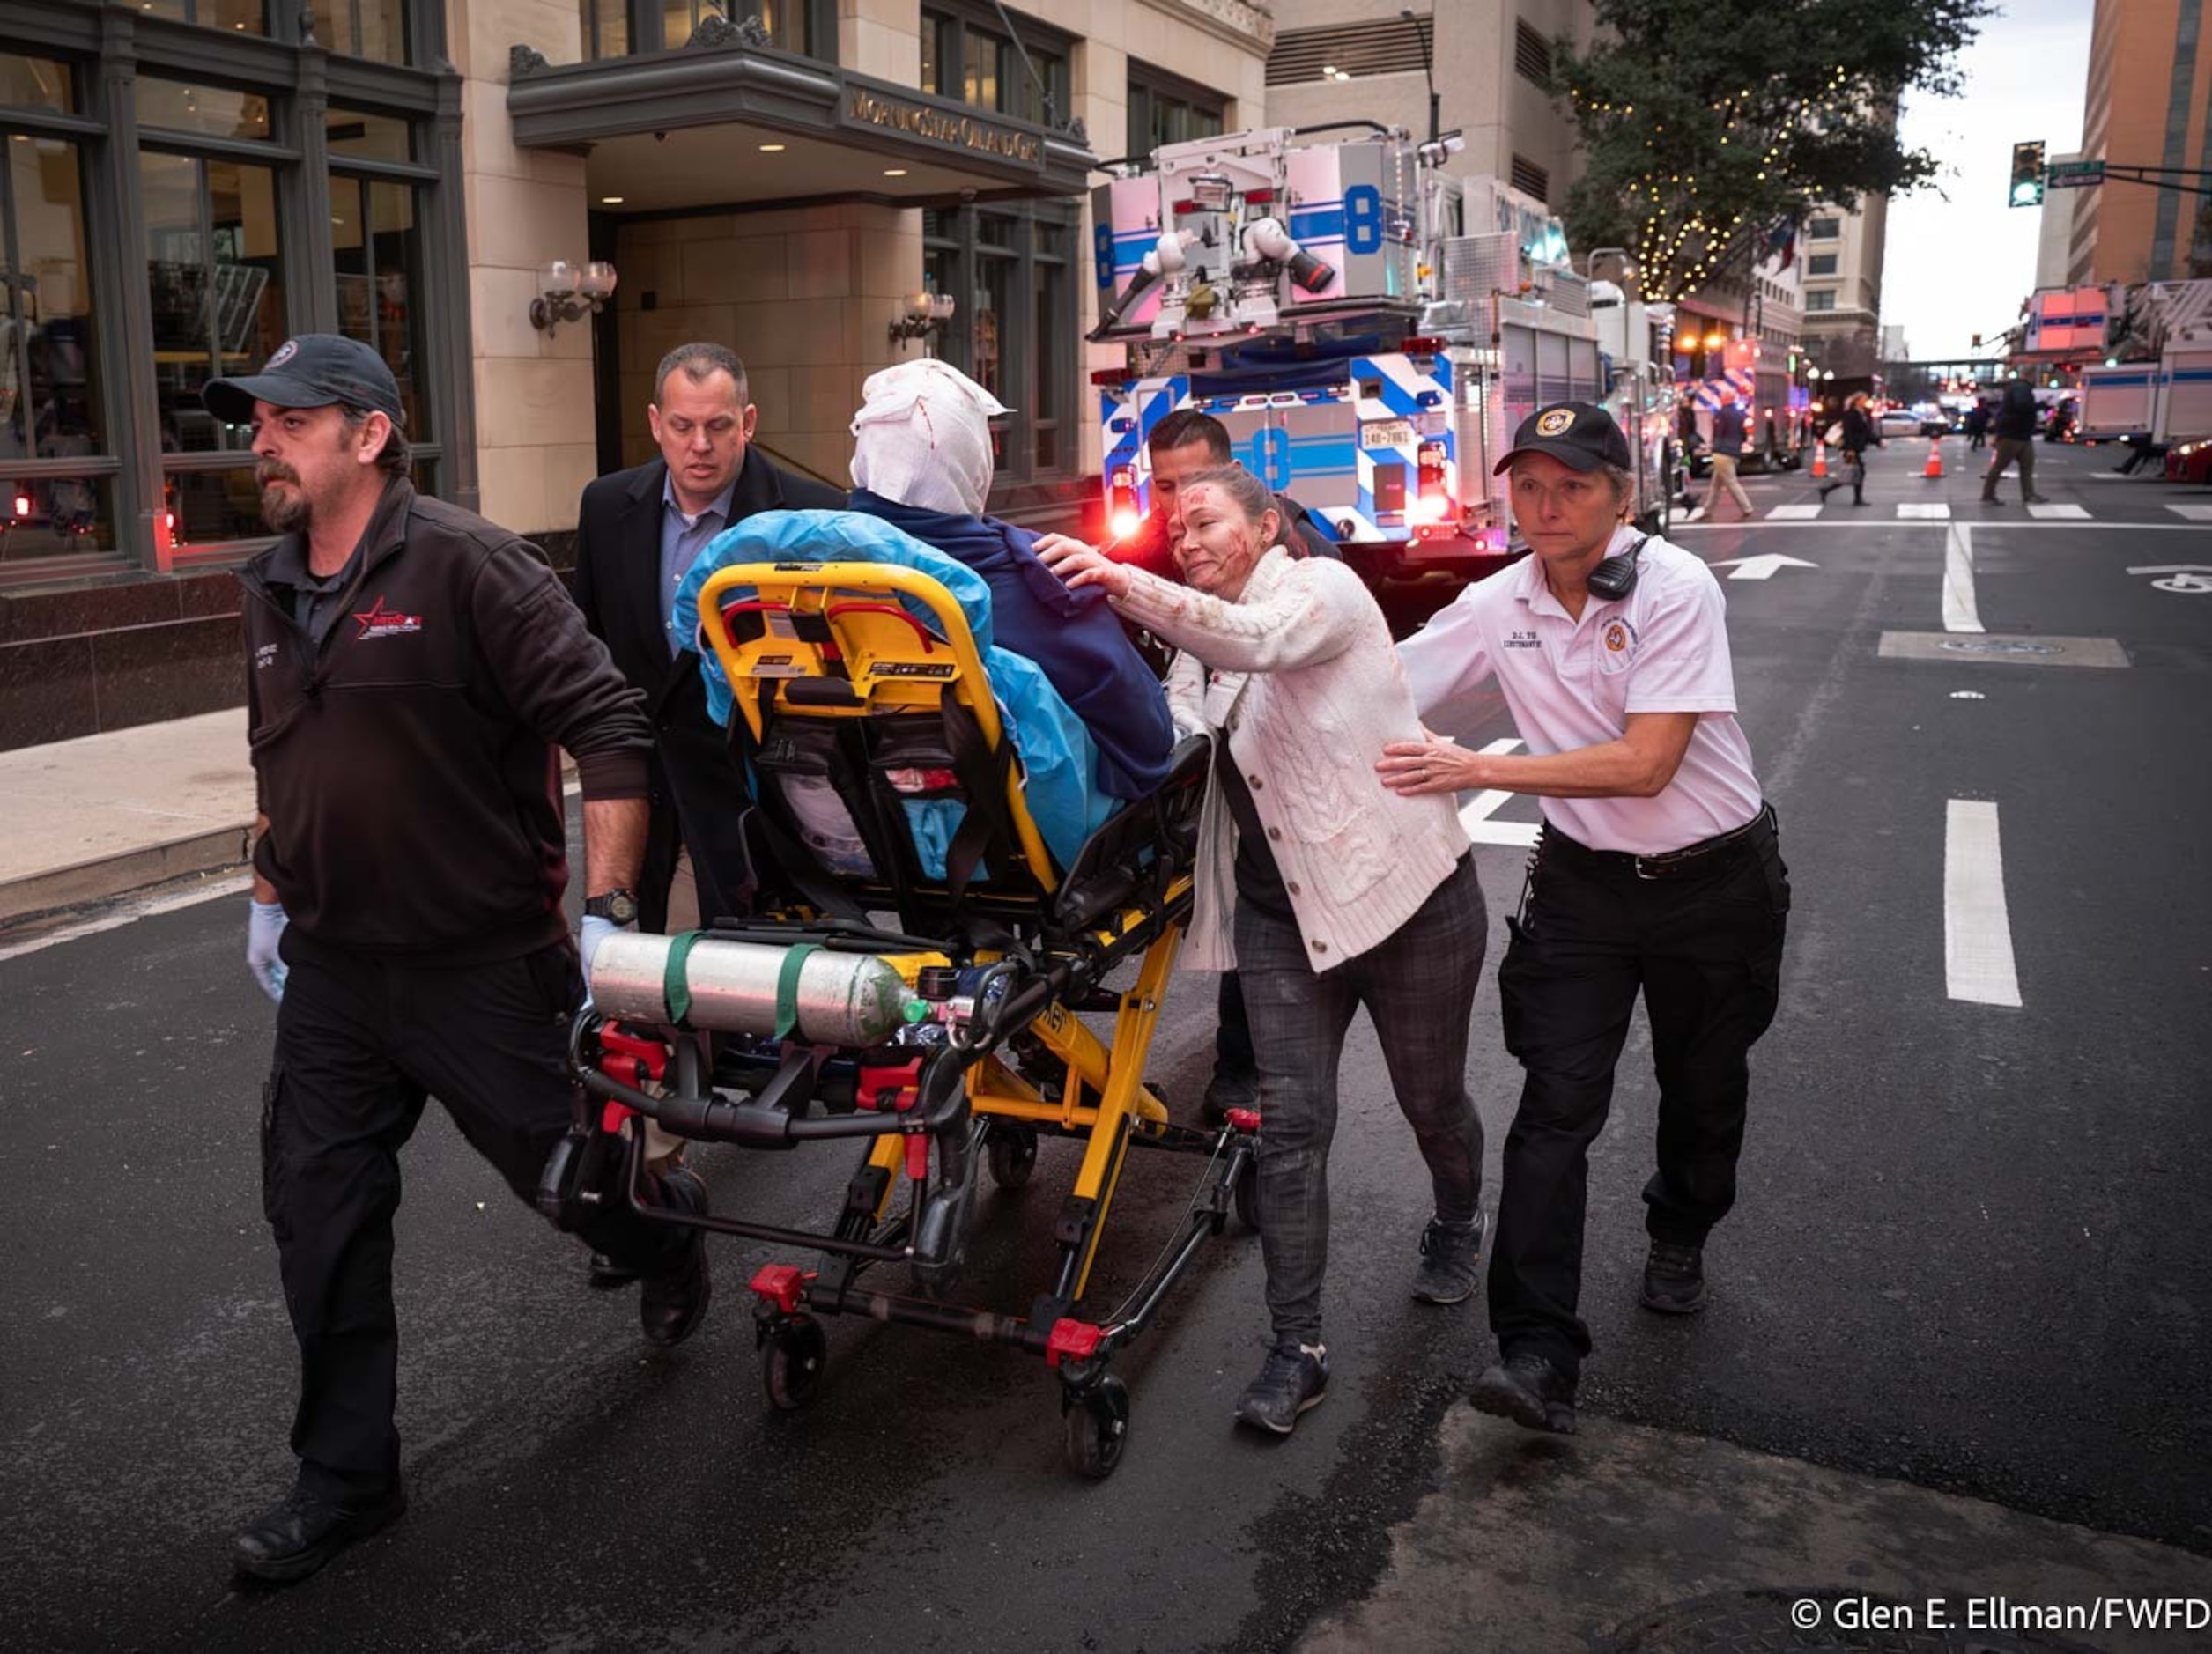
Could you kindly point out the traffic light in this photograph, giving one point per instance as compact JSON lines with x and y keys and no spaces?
{"x":2027,"y":175}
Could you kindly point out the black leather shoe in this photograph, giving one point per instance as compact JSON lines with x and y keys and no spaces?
{"x":674,"y":1302}
{"x":1530,"y":1391}
{"x":1675,"y":1278}
{"x":1229,"y":1088}
{"x":298,"y":1536}
{"x":607,"y":1275}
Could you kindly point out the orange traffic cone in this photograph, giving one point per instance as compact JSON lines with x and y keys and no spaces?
{"x":1820,"y":457}
{"x":1934,"y":467}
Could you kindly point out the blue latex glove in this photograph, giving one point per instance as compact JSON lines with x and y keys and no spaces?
{"x":595,"y":931}
{"x":265,"y":925}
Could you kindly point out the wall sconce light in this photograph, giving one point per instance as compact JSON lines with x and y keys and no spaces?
{"x":926,"y":316}
{"x":569,"y":294}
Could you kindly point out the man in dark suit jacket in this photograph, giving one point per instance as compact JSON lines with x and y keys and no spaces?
{"x":637,"y":534}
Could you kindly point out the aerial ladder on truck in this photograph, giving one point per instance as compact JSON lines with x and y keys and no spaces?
{"x":1369,"y":328}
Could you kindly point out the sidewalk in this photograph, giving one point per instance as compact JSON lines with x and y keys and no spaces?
{"x":1625,"y":1537}
{"x":105,"y":814}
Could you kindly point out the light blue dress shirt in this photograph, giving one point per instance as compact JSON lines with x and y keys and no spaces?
{"x":682,"y":539}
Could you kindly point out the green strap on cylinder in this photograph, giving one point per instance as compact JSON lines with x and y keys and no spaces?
{"x":787,"y":987}
{"x":676,"y":980}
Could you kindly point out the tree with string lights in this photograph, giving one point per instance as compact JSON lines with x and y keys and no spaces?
{"x":1709,"y":125}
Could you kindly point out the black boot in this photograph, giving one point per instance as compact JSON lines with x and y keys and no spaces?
{"x":298,"y":1536}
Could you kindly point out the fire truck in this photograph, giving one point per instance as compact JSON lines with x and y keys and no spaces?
{"x":1370,"y":330}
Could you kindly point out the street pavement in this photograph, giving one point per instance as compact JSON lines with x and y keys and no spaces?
{"x":1959,"y":1346}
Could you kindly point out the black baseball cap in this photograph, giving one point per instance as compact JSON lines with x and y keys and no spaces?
{"x":1580,"y":435}
{"x":314,"y":370}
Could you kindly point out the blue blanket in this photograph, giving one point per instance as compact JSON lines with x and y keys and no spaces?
{"x":1073,"y":635}
{"x":1059,"y":763}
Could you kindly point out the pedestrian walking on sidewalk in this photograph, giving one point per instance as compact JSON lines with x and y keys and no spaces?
{"x":1729,"y":428}
{"x":1658,"y":870}
{"x":1860,"y":433}
{"x":410,"y":670}
{"x":2014,"y":427}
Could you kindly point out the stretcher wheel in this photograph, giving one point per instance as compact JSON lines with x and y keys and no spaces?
{"x":791,"y":1364}
{"x":1097,"y":1428}
{"x":1013,"y":1151}
{"x":1246,"y":1195}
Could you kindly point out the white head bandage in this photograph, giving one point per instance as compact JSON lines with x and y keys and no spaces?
{"x":923,"y":437}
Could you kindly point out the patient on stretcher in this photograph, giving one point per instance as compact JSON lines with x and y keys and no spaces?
{"x":922,"y":461}
{"x":1059,"y":760}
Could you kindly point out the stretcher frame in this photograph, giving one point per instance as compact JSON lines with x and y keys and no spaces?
{"x":841,"y":641}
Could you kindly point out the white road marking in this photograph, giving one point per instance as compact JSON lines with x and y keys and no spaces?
{"x":2194,"y":513}
{"x":131,"y":912}
{"x":2069,"y":514}
{"x":1933,"y":512}
{"x":1977,"y":935}
{"x":1475,"y":815}
{"x":1959,"y":613}
{"x":1793,"y":513}
{"x":2189,"y":578}
{"x":1760,"y":567}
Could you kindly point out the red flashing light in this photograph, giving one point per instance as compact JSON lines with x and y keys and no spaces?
{"x":1434,"y":504}
{"x":22,"y":503}
{"x":1106,"y":378}
{"x":1125,"y":522}
{"x":1420,"y":345}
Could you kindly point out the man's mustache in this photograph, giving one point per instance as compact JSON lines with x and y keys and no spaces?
{"x":269,"y":471}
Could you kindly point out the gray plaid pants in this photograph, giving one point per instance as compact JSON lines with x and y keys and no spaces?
{"x":1419,"y":989}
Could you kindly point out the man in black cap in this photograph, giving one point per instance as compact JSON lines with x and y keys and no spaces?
{"x":1658,"y":870}
{"x":412,"y":669}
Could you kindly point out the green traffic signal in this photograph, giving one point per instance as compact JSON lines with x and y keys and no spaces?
{"x":2027,"y":175}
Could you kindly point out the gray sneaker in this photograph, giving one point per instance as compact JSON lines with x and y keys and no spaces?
{"x":1451,"y":1260}
{"x":1294,"y":1377}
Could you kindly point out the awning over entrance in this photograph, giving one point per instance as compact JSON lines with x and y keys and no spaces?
{"x":744,"y":124}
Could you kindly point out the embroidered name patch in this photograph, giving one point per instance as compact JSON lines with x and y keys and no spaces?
{"x":1523,"y":640}
{"x":380,"y":622}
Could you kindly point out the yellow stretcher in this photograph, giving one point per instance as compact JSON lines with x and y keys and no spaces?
{"x":933,"y":1014}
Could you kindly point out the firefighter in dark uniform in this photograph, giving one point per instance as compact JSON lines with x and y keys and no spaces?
{"x":1658,"y":871}
{"x":410,"y":670}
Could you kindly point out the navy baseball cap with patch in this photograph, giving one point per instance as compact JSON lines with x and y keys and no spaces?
{"x":1580,"y":435}
{"x":316,"y":370}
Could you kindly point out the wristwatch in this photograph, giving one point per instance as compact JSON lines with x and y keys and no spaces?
{"x":619,"y":907}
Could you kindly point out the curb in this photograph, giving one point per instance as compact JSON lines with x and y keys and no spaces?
{"x":221,"y":850}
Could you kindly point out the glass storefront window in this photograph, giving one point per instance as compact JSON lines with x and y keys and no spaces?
{"x":216,"y":275}
{"x":606,"y":24}
{"x":210,"y":507}
{"x":215,"y":110}
{"x":379,"y":256}
{"x":240,"y":16}
{"x":35,"y":83}
{"x":49,"y":385}
{"x":378,"y":137}
{"x":363,"y":28}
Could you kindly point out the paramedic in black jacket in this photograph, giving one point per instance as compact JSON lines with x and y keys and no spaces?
{"x":410,"y":670}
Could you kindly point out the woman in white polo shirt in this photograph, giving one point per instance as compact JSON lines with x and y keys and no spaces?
{"x":1323,"y":889}
{"x":1659,"y":870}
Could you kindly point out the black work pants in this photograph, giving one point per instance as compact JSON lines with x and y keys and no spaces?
{"x":360,"y":1044}
{"x":1703,"y":945}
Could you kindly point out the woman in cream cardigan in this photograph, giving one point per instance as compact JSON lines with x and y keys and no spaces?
{"x":1324,"y":888}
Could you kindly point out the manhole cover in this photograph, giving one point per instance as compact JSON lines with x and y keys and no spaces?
{"x":1818,"y":1622}
{"x":1997,"y":645}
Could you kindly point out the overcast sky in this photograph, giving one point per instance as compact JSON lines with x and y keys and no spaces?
{"x":1959,"y":259}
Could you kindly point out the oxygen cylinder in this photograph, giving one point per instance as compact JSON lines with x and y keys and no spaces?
{"x":741,"y":987}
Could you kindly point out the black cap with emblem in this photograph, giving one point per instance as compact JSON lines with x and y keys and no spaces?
{"x":1580,"y":435}
{"x":316,"y":370}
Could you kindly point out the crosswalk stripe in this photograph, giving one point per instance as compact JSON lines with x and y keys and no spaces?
{"x":1475,"y":815}
{"x":1793,"y":513}
{"x":2070,"y":513}
{"x":2194,"y":513}
{"x":1933,"y":512}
